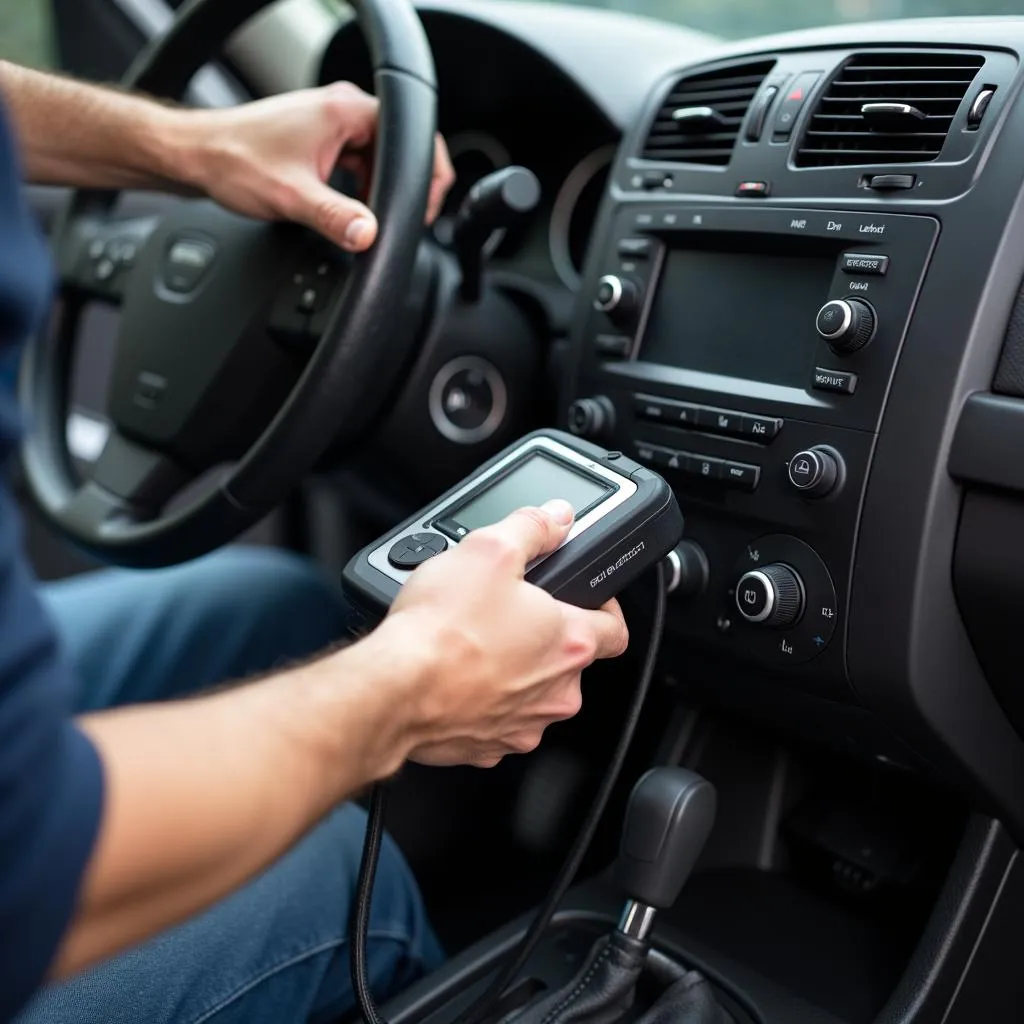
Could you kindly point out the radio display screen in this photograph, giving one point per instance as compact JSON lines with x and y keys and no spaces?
{"x":533,"y":481}
{"x":739,"y":313}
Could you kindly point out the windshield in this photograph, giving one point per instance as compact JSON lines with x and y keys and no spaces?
{"x":739,"y":19}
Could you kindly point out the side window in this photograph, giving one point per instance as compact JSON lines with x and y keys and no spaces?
{"x":26,"y":34}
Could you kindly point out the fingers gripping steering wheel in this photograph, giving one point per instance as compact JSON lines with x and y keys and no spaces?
{"x":197,"y":374}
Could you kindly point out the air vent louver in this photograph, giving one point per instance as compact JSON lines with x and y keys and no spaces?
{"x":701,"y":116}
{"x":888,"y":108}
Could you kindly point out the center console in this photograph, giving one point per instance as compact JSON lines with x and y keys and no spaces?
{"x":746,"y":354}
{"x":803,"y":265}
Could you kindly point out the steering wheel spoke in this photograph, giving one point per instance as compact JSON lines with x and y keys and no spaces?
{"x":129,"y":482}
{"x":96,"y":254}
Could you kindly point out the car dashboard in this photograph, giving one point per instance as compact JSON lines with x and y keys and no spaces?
{"x":787,"y":274}
{"x":788,"y":265}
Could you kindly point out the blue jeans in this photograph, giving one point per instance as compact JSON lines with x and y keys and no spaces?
{"x":276,"y":951}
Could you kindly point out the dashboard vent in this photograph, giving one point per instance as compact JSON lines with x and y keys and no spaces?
{"x":700,"y":119}
{"x":890,"y":108}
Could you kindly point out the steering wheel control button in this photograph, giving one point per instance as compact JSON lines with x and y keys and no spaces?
{"x":468,"y":400}
{"x":772,"y":596}
{"x":410,"y":552}
{"x":815,"y":472}
{"x":846,"y":324}
{"x":592,"y":417}
{"x":864,"y":264}
{"x":186,"y":262}
{"x":842,"y":382}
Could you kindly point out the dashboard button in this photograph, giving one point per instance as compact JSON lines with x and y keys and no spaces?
{"x":741,"y":475}
{"x":646,"y":453}
{"x":613,"y":344}
{"x":704,"y":467}
{"x":891,"y":182}
{"x":760,"y":428}
{"x":636,"y":248}
{"x":720,"y":421}
{"x":792,"y":104}
{"x":681,"y":414}
{"x":668,"y":459}
{"x":864,"y":263}
{"x":656,"y":179}
{"x":841,"y":381}
{"x":647,"y":408}
{"x":664,"y":410}
{"x":753,"y":189}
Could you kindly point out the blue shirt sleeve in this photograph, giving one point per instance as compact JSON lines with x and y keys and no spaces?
{"x":51,"y":782}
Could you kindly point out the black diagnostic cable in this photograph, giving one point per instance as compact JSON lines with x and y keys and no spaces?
{"x":518,"y":957}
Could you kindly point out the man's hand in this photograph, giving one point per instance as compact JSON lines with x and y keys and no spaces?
{"x":272,"y":158}
{"x":505,"y":657}
{"x":269,"y":159}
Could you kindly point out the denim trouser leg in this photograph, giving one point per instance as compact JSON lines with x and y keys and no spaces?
{"x":275,"y":951}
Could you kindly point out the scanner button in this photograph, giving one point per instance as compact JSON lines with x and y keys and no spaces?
{"x":409,"y":552}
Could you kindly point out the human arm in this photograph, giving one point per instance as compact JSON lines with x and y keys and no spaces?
{"x":202,"y":794}
{"x":269,"y":159}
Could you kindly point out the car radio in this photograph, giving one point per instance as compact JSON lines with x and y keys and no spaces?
{"x":745,"y":351}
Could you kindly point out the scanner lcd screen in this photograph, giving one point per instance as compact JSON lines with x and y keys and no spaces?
{"x":538,"y":478}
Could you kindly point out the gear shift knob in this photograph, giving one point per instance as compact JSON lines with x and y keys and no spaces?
{"x":668,"y":821}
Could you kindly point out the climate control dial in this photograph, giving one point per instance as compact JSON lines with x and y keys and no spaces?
{"x":846,"y":324}
{"x":772,"y":595}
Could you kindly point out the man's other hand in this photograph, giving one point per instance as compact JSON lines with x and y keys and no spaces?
{"x":504,"y":656}
{"x":272,"y":158}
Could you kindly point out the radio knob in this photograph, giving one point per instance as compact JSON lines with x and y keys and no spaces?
{"x":846,"y":324}
{"x":815,"y":472}
{"x":617,"y":297}
{"x":592,"y":417}
{"x":770,"y":596}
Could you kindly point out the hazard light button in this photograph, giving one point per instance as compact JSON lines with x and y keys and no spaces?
{"x":793,"y":102}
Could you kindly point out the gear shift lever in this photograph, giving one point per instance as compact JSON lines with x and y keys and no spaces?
{"x":668,"y":821}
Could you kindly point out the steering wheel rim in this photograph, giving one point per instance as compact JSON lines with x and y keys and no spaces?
{"x":120,"y":518}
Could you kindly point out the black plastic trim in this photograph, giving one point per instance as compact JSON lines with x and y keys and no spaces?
{"x":988,"y":447}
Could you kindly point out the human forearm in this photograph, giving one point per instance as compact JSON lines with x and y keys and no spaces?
{"x":201,"y":795}
{"x":72,"y":133}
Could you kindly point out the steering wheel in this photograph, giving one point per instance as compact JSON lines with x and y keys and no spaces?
{"x":242,"y":343}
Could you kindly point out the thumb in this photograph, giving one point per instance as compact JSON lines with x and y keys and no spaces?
{"x":533,"y":532}
{"x":339,"y":218}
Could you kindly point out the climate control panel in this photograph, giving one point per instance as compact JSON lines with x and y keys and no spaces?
{"x":783,"y":601}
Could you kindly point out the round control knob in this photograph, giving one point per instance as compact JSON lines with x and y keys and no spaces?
{"x":846,"y":324}
{"x":814,"y":472}
{"x":770,"y":596}
{"x":687,"y":570}
{"x":615,"y":296}
{"x":592,"y":417}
